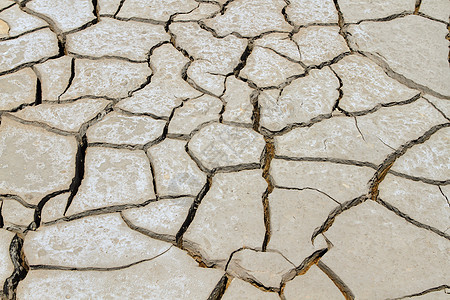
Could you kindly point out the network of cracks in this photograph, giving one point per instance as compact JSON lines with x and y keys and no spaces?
{"x":211,"y":149}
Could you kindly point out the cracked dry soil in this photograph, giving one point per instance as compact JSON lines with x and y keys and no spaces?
{"x":224,"y":149}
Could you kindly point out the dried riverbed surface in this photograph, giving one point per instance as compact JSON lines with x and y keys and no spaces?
{"x":240,"y":149}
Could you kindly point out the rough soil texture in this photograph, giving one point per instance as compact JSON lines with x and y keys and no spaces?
{"x":239,"y":149}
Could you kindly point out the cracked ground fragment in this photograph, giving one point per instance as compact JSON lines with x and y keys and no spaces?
{"x":296,"y":213}
{"x":65,"y":116}
{"x":266,"y":68}
{"x":54,"y":76}
{"x":430,"y":159}
{"x":239,"y":289}
{"x":341,"y":182}
{"x":426,"y":49}
{"x":218,"y":145}
{"x":113,"y":177}
{"x":28,"y":48}
{"x":302,"y":100}
{"x":161,"y":217}
{"x":175,"y":172}
{"x":67,"y":15}
{"x":230,"y":216}
{"x":16,"y":213}
{"x":264,"y":268}
{"x":312,"y":11}
{"x":117,"y":128}
{"x":422,"y":202}
{"x":102,"y":241}
{"x":161,"y":278}
{"x":366,"y":85}
{"x":17,"y":89}
{"x":354,"y":11}
{"x":315,"y":284}
{"x":195,"y":112}
{"x":436,"y":9}
{"x":214,"y":57}
{"x":370,"y":137}
{"x":112,"y":78}
{"x":380,"y":255}
{"x":239,"y":108}
{"x":319,"y":44}
{"x":111,"y":37}
{"x":157,"y":10}
{"x":250,"y":18}
{"x":34,"y":162}
{"x":20,"y":22}
{"x":166,"y":90}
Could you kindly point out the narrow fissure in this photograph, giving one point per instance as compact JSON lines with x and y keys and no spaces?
{"x":2,"y":223}
{"x":79,"y":170}
{"x":411,"y":220}
{"x":384,"y":167}
{"x":267,"y":159}
{"x":220,"y":288}
{"x":193,"y":211}
{"x":243,"y":60}
{"x":72,"y":76}
{"x":345,"y":290}
{"x":21,"y":268}
{"x":119,"y":8}
{"x":417,"y":6}
{"x":341,"y":23}
{"x":38,"y":211}
{"x":38,"y":98}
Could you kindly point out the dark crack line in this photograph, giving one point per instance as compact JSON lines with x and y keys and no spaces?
{"x":417,"y":6}
{"x":399,"y":77}
{"x":72,"y":76}
{"x":30,"y":64}
{"x":220,"y":288}
{"x":303,"y":267}
{"x":339,"y":89}
{"x":38,"y":123}
{"x":243,"y":60}
{"x":96,"y":10}
{"x":362,"y":164}
{"x":38,"y":210}
{"x":379,"y":106}
{"x":98,"y":269}
{"x":21,"y":268}
{"x":268,"y":155}
{"x":359,"y":130}
{"x":434,"y":289}
{"x":307,"y":188}
{"x":341,"y":23}
{"x":193,"y":211}
{"x":119,"y":8}
{"x":445,"y":196}
{"x":411,"y":220}
{"x":18,"y":199}
{"x":99,"y":211}
{"x":105,"y":57}
{"x":437,"y":108}
{"x":9,"y":6}
{"x":345,"y":290}
{"x":335,"y":212}
{"x":188,"y":246}
{"x":9,"y":38}
{"x":384,"y":167}
{"x":2,"y":223}
{"x":79,"y":170}
{"x":383,"y":19}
